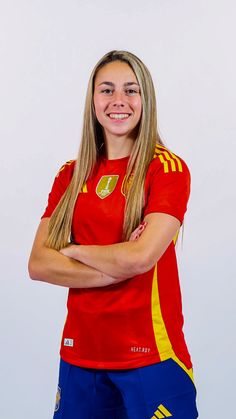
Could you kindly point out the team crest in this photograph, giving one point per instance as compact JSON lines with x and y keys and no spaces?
{"x":106,"y":185}
{"x":58,"y":399}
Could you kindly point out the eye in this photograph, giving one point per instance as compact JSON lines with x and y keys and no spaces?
{"x":107,"y":91}
{"x":131,"y":92}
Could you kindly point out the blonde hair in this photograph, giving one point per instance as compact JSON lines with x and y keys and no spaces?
{"x":91,"y":149}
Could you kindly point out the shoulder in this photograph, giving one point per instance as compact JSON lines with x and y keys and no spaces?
{"x":64,"y":175}
{"x":61,"y":182}
{"x":167,"y":162}
{"x":167,"y":184}
{"x":66,"y":168}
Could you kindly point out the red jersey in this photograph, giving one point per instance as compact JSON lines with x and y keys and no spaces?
{"x":138,"y":321}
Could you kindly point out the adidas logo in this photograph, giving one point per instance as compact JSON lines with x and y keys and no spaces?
{"x":161,"y":413}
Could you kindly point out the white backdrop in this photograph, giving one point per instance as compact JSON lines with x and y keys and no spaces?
{"x":48,"y":49}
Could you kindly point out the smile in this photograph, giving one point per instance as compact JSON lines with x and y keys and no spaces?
{"x":119,"y":115}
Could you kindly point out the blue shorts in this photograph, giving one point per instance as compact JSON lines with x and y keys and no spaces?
{"x":162,"y":390}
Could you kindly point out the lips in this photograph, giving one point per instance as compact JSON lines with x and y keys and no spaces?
{"x":118,"y":115}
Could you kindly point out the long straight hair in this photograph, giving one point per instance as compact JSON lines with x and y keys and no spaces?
{"x":90,"y":151}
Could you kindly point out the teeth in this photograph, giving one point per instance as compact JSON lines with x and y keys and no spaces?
{"x":119,"y":115}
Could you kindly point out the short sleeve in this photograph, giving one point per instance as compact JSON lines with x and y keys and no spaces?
{"x":59,"y":186}
{"x":167,"y":186}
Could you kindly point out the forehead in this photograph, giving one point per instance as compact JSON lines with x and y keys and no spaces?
{"x":116,"y":70}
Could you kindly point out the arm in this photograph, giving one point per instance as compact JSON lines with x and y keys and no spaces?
{"x":51,"y":266}
{"x":133,"y":257}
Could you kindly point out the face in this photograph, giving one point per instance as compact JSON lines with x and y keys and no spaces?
{"x":117,"y":100}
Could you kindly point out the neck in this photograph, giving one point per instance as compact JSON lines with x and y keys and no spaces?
{"x":118,"y":147}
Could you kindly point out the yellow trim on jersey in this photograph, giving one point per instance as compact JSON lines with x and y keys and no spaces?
{"x":160,"y":332}
{"x":180,"y":167}
{"x":165,"y":163}
{"x":182,"y":365}
{"x":68,"y":163}
{"x":176,"y":237}
{"x":172,"y":163}
{"x":84,"y":188}
{"x":168,"y":158}
{"x":161,"y":336}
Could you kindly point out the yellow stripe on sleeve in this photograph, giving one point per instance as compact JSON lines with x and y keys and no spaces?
{"x":180,"y":167}
{"x":172,"y":163}
{"x":68,"y":163}
{"x":170,"y":157}
{"x":164,"y":162}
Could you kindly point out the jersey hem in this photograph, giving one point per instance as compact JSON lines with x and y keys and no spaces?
{"x":123,"y":365}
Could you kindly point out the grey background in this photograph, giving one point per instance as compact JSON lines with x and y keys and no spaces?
{"x":47,"y":51}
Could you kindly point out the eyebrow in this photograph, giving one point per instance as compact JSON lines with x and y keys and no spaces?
{"x":109,"y":83}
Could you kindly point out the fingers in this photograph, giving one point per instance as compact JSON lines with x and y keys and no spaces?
{"x":138,"y":231}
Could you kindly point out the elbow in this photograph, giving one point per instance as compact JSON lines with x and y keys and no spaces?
{"x":34,"y":269}
{"x":144,"y":264}
{"x":136,"y":264}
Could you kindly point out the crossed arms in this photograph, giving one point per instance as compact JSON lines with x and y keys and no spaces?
{"x":79,"y":266}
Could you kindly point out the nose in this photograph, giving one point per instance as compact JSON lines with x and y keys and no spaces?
{"x":118,"y":99}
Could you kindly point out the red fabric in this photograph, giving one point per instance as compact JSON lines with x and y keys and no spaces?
{"x":167,"y":192}
{"x":111,"y":327}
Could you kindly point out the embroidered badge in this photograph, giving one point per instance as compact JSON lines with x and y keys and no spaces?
{"x":106,"y":185}
{"x":58,"y":398}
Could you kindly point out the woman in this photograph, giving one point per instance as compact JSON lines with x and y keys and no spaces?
{"x":108,"y":233}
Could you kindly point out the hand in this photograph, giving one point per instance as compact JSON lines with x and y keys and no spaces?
{"x":71,"y":251}
{"x":138,"y":231}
